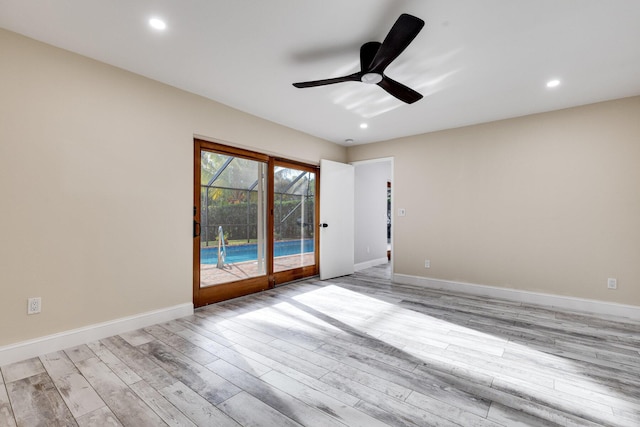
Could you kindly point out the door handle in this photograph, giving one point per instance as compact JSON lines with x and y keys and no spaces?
{"x":324,"y":225}
{"x":196,"y":229}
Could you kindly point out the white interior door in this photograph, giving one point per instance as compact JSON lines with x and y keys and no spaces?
{"x":336,"y":219}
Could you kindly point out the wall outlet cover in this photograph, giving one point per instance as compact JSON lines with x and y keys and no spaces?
{"x":34,"y":305}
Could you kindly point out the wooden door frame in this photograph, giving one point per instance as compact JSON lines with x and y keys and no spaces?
{"x":215,"y":293}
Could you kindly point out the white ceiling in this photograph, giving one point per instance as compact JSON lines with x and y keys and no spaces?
{"x":474,"y":61}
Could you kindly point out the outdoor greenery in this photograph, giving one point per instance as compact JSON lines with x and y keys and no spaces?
{"x":238,"y":220}
{"x":229,"y":198}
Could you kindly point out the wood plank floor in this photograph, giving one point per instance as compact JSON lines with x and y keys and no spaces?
{"x":353,"y":351}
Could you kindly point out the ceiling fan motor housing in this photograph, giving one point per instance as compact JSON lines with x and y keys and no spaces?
{"x":371,"y":78}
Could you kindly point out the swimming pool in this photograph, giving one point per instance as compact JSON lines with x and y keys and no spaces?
{"x":249,"y":252}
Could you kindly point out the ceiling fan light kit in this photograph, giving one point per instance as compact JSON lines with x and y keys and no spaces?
{"x":371,"y":78}
{"x":375,"y":57}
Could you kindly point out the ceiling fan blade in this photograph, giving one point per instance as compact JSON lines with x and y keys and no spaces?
{"x":400,"y":91}
{"x":355,"y":77}
{"x":367,"y":53}
{"x":402,"y":33}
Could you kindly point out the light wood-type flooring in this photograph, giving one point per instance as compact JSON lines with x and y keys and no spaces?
{"x":353,"y":351}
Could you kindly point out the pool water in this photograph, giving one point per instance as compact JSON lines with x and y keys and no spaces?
{"x":249,"y":252}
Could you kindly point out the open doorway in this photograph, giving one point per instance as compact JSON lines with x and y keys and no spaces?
{"x":373,"y":207}
{"x":389,"y":217}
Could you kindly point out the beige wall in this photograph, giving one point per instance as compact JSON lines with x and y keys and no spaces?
{"x":96,"y":193}
{"x":96,"y":186}
{"x":547,"y":203}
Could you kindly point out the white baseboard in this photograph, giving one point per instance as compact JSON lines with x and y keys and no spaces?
{"x":527,"y":297}
{"x":56,"y":342}
{"x":371,"y":263}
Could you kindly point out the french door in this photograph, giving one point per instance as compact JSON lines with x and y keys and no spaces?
{"x":254,"y":222}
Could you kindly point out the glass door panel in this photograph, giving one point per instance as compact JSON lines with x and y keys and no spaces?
{"x":233,"y":232}
{"x":232,"y":252}
{"x":294,"y":218}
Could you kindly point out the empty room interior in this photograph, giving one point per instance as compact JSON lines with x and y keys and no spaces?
{"x":363,"y":213}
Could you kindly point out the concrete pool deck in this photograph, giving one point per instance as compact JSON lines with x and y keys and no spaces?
{"x":211,"y":275}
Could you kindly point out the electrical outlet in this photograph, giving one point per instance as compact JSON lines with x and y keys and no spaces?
{"x":612,"y":283}
{"x":427,"y":263}
{"x":34,"y":305}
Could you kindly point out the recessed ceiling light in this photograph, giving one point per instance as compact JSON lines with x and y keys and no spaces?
{"x":158,"y":24}
{"x":553,"y":83}
{"x":363,"y":125}
{"x":349,"y":141}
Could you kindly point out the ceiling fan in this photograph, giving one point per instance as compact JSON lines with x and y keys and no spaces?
{"x":376,"y":56}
